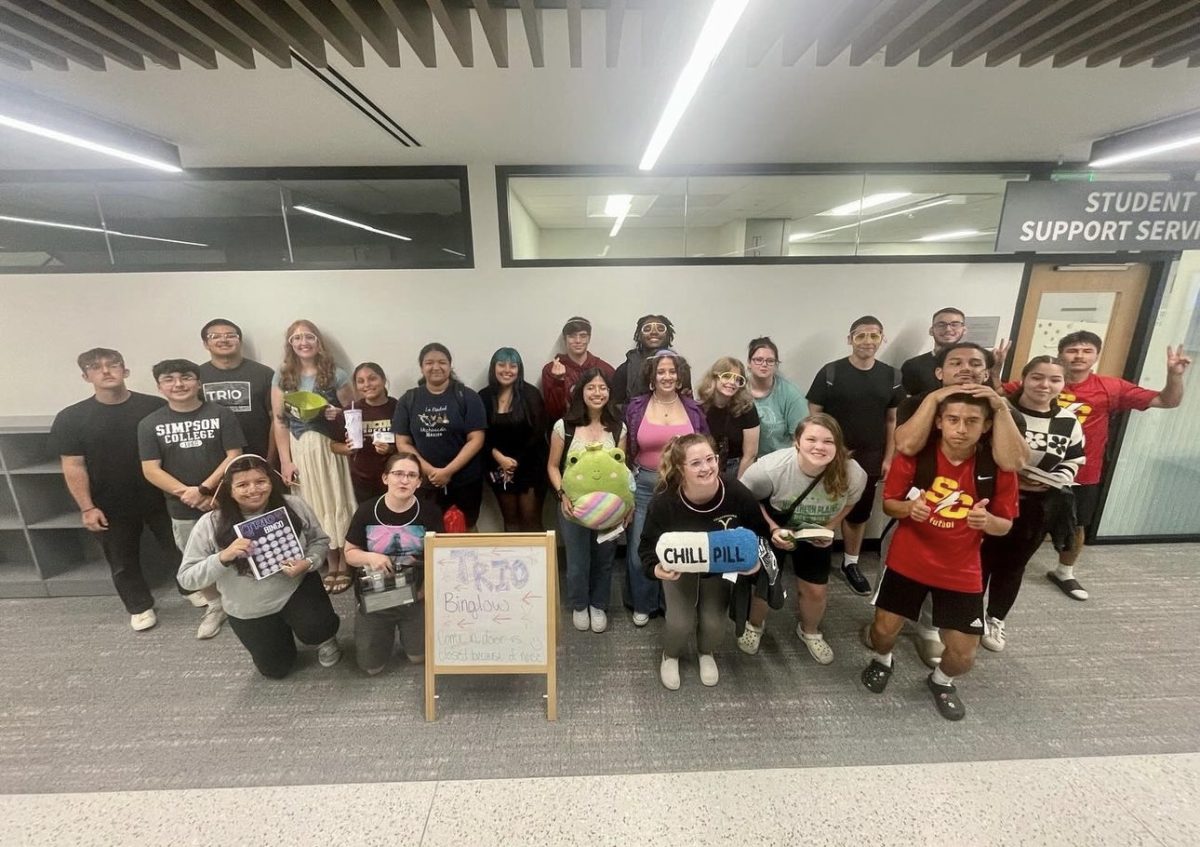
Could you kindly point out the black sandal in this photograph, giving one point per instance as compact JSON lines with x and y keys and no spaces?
{"x":945,"y":697}
{"x":1067,"y":586}
{"x":875,"y":676}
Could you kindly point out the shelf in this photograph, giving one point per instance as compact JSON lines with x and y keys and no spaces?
{"x":21,"y":579}
{"x":90,"y":579}
{"x":10,"y":522}
{"x":54,"y":468}
{"x":67,"y":520}
{"x":25,"y":424}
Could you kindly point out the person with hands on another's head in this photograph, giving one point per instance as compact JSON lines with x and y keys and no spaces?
{"x":267,"y":615}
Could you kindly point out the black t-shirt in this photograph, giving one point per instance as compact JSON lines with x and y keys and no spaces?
{"x":727,"y":429}
{"x":859,"y":401}
{"x":439,"y":424}
{"x":245,"y":391}
{"x":917,"y":374}
{"x":107,"y":438}
{"x":733,"y":506}
{"x":189,"y":446}
{"x":378,"y":529}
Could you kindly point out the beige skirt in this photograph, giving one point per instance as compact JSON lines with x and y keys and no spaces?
{"x":324,"y":484}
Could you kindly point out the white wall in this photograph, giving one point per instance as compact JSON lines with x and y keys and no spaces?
{"x":525,"y":232}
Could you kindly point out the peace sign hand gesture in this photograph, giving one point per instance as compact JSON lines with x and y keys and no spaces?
{"x":1177,"y":362}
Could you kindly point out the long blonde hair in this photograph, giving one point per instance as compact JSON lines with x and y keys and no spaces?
{"x":289,"y":371}
{"x":670,"y":471}
{"x":837,"y":477}
{"x":741,"y":402}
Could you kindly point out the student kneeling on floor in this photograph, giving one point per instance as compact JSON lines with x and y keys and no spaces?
{"x":270,"y":613}
{"x":945,"y":499}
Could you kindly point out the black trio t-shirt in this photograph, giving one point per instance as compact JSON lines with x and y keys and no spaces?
{"x":859,"y":401}
{"x":917,"y":375}
{"x":245,"y":391}
{"x":728,"y":429}
{"x":106,"y":435}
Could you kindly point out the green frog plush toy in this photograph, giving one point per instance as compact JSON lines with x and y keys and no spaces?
{"x":599,"y":486}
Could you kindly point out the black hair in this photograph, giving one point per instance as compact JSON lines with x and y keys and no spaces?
{"x":436,"y":347}
{"x":219,"y":322}
{"x":763,"y":341}
{"x":949,"y":310}
{"x":175,"y":366}
{"x":683,"y":371}
{"x":939,"y":358}
{"x":519,"y":412}
{"x":662,"y":319}
{"x":371,"y":366}
{"x":970,"y":400}
{"x":1015,"y":394}
{"x":98,"y":354}
{"x":577,"y":412}
{"x":1080,"y":337}
{"x":864,"y":320}
{"x":227,"y":512}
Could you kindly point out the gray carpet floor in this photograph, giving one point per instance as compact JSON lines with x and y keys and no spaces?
{"x":88,"y":705}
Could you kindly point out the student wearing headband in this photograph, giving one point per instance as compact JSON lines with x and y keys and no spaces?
{"x":652,"y":333}
{"x":561,"y":373}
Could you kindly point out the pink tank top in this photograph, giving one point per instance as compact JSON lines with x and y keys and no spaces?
{"x":652,"y":438}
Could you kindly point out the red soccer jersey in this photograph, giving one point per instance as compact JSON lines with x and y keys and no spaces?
{"x":1092,"y":401}
{"x":943,"y":552}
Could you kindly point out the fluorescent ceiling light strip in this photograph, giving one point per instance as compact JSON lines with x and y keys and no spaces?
{"x":75,"y":140}
{"x":617,"y":205}
{"x":453,"y":252}
{"x":801,"y":236}
{"x":81,"y":228}
{"x":722,"y":18}
{"x":1143,"y":152}
{"x":617,"y":225}
{"x":310,"y":210}
{"x":951,"y":235}
{"x":867,"y":202}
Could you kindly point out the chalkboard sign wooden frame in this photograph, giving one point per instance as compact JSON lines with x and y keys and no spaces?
{"x":440,"y":597}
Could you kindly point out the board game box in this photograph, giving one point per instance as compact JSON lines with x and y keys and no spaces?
{"x":275,"y":541}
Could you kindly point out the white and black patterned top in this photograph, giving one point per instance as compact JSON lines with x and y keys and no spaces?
{"x":1056,"y":439}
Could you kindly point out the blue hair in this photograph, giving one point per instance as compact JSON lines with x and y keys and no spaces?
{"x":509,"y":356}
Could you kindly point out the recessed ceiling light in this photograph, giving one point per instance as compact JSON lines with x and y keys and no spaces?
{"x":617,"y":205}
{"x":950,"y":236}
{"x":868,"y":202}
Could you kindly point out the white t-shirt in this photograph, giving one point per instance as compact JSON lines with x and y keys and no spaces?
{"x":777,"y":477}
{"x":578,"y":444}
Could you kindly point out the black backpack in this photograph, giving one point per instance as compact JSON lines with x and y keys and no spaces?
{"x":985,"y":473}
{"x":569,"y":436}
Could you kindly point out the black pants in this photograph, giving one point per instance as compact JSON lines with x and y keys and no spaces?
{"x":468,"y":496}
{"x":271,"y":640}
{"x":121,"y":543}
{"x":1004,"y":557}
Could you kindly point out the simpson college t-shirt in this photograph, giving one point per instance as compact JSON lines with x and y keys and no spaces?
{"x":943,"y":552}
{"x":189,"y":445}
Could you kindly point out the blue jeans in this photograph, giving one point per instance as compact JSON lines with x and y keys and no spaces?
{"x":589,"y":565}
{"x":644,"y":592}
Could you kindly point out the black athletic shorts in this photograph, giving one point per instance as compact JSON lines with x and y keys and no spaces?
{"x":810,"y":563}
{"x":861,"y":512}
{"x":1087,"y":500}
{"x":957,"y":610}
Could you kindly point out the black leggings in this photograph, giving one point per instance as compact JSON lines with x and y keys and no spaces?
{"x":1004,"y":557}
{"x":271,"y":640}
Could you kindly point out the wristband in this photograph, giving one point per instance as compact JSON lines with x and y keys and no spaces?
{"x":90,"y":509}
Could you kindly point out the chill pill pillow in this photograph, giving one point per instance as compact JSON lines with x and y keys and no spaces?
{"x":720,"y":551}
{"x":598,"y":484}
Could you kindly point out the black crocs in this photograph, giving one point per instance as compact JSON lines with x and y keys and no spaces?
{"x":945,"y":697}
{"x":875,"y":676}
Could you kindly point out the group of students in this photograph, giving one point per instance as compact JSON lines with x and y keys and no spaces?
{"x":975,"y":476}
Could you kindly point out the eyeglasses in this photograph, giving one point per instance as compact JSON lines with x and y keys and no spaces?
{"x":256,"y":483}
{"x":302,"y":336}
{"x":167,"y":379}
{"x":223,"y":336}
{"x":867,"y":336}
{"x":404,"y":476}
{"x":106,"y":365}
{"x":654,"y":327}
{"x":700,"y":464}
{"x":729,"y":376}
{"x":762,"y":360}
{"x":949,"y":325}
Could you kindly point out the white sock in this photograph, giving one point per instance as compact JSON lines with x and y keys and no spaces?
{"x":884,"y":658}
{"x":752,"y":627}
{"x":816,"y":636}
{"x":847,"y":559}
{"x":1065,"y":571}
{"x":940,"y":678}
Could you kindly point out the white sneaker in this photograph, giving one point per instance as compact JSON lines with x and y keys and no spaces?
{"x":599,"y":619}
{"x":210,"y":624}
{"x":818,"y":648}
{"x":708,"y":669}
{"x":994,"y":638}
{"x":750,"y":639}
{"x":197,"y":599}
{"x":640,"y":619}
{"x":329,"y":653}
{"x":579,"y":617}
{"x":668,"y":672}
{"x":143,"y":620}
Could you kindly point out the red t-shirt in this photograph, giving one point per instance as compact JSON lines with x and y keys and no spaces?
{"x":943,"y":552}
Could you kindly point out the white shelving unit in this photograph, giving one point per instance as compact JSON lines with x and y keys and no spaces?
{"x":44,"y":549}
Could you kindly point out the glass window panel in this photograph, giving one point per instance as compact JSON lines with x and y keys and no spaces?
{"x":569,"y":217}
{"x":194,"y":223}
{"x":377,"y":223}
{"x":1063,"y":312}
{"x":53,"y":225}
{"x":1154,"y":484}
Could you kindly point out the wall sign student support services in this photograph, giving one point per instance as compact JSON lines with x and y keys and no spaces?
{"x":1099,"y":217}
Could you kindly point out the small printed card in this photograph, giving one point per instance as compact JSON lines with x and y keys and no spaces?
{"x":275,"y":542}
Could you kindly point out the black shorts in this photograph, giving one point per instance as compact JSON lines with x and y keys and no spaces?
{"x":957,"y":610}
{"x":1087,"y":500}
{"x":861,"y":512}
{"x":809,"y":563}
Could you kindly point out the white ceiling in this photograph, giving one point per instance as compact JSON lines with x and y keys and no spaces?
{"x":770,"y":113}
